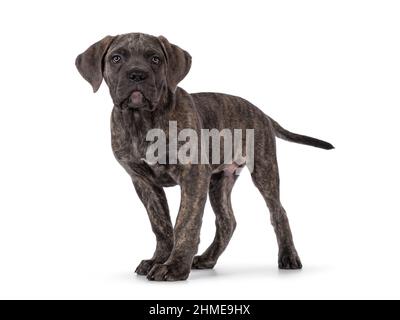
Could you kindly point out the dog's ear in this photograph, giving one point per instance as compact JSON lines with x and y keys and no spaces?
{"x":90,"y":62}
{"x":178,"y":63}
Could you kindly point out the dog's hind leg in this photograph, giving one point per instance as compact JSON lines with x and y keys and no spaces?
{"x":266,"y":178}
{"x":221,"y":185}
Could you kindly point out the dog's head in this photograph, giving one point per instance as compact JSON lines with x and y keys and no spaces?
{"x":140,"y":70}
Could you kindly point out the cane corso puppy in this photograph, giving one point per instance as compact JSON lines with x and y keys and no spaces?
{"x":142,"y":73}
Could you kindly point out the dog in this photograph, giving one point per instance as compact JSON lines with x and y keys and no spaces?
{"x":143,"y":73}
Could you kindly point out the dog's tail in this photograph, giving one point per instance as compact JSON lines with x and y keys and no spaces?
{"x":298,"y":138}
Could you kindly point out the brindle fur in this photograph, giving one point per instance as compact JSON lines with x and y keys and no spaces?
{"x":164,"y":101}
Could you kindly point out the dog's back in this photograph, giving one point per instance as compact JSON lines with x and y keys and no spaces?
{"x":221,"y":111}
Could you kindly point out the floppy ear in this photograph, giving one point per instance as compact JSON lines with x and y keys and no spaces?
{"x":90,"y":62}
{"x":178,"y":63}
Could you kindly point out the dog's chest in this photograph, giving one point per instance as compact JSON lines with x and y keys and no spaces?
{"x":129,"y":144}
{"x":128,"y":136}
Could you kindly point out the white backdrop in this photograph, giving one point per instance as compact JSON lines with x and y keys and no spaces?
{"x":71,"y":225}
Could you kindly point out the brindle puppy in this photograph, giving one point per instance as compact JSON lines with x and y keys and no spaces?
{"x":142,"y":73}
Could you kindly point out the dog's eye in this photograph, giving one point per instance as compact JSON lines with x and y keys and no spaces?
{"x":116,"y":58}
{"x":155,"y":60}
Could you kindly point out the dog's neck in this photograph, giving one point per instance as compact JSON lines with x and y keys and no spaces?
{"x":138,"y":122}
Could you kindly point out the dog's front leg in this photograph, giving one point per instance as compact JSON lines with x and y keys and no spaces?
{"x":155,"y":201}
{"x":194,"y":187}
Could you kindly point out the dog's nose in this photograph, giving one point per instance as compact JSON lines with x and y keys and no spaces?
{"x":137,"y":75}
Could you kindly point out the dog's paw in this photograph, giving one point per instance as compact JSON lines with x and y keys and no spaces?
{"x":289,"y":259}
{"x":144,"y":267}
{"x":168,"y":272}
{"x":201,"y":263}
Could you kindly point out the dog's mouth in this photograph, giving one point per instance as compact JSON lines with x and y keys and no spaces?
{"x":136,"y":100}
